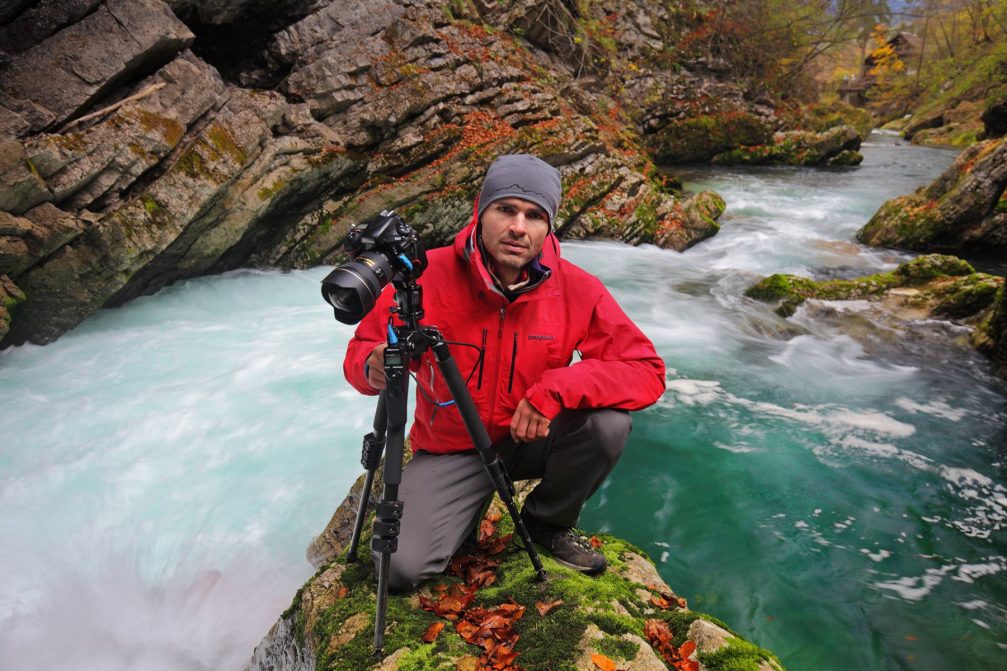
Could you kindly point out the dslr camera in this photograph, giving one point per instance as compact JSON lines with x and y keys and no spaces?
{"x":382,"y":249}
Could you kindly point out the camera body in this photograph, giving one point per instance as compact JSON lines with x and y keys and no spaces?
{"x":382,"y":249}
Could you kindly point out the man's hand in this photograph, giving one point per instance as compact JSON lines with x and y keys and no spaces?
{"x":528,"y":424}
{"x":376,"y":367}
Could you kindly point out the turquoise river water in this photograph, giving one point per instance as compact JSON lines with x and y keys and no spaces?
{"x":832,"y":485}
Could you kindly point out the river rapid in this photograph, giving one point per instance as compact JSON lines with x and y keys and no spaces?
{"x":831,"y":485}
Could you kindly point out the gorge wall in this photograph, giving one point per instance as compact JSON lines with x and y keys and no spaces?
{"x":145,"y":142}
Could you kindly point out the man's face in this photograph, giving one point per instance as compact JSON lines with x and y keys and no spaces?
{"x":514,"y":231}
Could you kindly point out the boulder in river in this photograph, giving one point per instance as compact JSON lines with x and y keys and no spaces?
{"x":963,"y":212}
{"x":931,"y":286}
{"x":836,"y":146}
{"x":488,"y":612}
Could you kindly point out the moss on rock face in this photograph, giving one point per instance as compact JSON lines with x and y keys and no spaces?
{"x":332,"y":616}
{"x":947,"y":286}
{"x":700,"y":138}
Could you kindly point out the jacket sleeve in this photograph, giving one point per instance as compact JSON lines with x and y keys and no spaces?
{"x":619,"y":368}
{"x":371,"y":332}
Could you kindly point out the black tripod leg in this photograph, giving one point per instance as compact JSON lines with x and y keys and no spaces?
{"x":389,"y":510}
{"x":491,"y":461}
{"x":370,"y":457}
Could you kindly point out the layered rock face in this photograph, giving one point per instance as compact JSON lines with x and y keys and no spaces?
{"x":144,"y":142}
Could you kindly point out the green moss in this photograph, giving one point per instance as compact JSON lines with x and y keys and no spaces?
{"x":9,"y":300}
{"x":150,"y":204}
{"x":170,"y":130}
{"x":969,"y":296}
{"x":931,"y":266}
{"x":617,"y":648}
{"x":780,"y":287}
{"x":224,"y":142}
{"x":267,"y":192}
{"x":737,"y":655}
{"x":701,"y":137}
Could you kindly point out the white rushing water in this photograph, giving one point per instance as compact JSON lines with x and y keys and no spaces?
{"x":165,"y":465}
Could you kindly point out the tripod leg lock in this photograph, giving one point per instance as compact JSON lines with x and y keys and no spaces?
{"x":386,"y":526}
{"x":370,"y":454}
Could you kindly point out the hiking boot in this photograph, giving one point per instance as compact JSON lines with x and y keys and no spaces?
{"x":565,"y":545}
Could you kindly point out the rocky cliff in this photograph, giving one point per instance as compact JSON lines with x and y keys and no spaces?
{"x":144,"y":142}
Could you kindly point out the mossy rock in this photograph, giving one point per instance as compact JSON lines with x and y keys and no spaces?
{"x":330,"y":624}
{"x":947,"y":285}
{"x":700,"y":138}
{"x":994,"y":116}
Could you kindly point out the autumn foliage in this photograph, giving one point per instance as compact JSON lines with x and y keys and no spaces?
{"x":491,"y":629}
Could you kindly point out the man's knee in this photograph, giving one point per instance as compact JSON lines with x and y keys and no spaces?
{"x":609,"y":430}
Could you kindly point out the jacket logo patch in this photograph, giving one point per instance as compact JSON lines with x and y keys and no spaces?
{"x":541,"y":337}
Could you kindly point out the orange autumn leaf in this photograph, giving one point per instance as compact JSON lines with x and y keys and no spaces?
{"x":660,"y":602}
{"x":430,"y":635}
{"x":546,"y":607}
{"x":596,"y":542}
{"x":687,"y":648}
{"x":603,"y":662}
{"x":343,"y":591}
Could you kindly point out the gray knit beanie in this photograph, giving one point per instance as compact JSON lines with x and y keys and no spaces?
{"x":522,"y":176}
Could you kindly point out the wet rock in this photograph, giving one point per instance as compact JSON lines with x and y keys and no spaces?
{"x":329,"y":621}
{"x":10,"y":295}
{"x":835,"y":146}
{"x":85,"y":60}
{"x":963,"y":211}
{"x":994,"y":116}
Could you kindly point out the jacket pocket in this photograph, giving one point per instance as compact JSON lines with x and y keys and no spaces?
{"x":513,"y":362}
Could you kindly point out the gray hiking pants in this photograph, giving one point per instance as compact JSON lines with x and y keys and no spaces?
{"x":443,"y":494}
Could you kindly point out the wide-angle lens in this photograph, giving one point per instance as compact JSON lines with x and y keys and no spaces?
{"x":354,"y":287}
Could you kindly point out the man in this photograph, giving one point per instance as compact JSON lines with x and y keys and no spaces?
{"x":515,"y":314}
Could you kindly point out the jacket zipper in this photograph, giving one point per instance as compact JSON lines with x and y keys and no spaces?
{"x":496,"y":377}
{"x":513,"y":360}
{"x":482,"y":359}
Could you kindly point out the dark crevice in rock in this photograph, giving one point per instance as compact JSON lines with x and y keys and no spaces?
{"x":239,"y":50}
{"x":12,"y":9}
{"x":572,"y":219}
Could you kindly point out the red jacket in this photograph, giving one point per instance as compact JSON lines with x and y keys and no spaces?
{"x":528,"y":345}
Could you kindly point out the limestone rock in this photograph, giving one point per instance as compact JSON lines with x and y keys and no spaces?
{"x":963,"y":211}
{"x":372,"y":105}
{"x":10,"y":296}
{"x":281,"y":651}
{"x":835,"y":146}
{"x":83,"y":61}
{"x":103,"y":160}
{"x":42,"y":20}
{"x":21,"y":186}
{"x":24,"y":241}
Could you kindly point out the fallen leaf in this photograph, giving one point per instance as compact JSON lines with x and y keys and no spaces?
{"x":660,"y":602}
{"x":596,"y":542}
{"x":546,"y":607}
{"x":687,"y":649}
{"x":430,"y":635}
{"x":468,"y":664}
{"x":343,"y":591}
{"x":603,"y":662}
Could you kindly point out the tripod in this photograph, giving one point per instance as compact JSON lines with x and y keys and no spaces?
{"x":406,"y":343}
